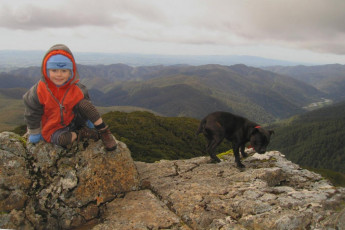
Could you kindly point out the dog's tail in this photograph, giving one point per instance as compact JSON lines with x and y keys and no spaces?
{"x":201,"y":127}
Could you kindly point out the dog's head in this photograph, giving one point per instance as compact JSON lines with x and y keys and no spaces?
{"x":260,"y":138}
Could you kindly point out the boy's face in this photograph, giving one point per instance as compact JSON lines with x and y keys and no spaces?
{"x":59,"y":76}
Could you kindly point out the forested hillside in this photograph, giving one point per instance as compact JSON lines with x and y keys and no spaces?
{"x":11,"y":109}
{"x":328,"y":78}
{"x":199,"y":90}
{"x":314,"y":139}
{"x":151,"y":138}
{"x":10,"y":80}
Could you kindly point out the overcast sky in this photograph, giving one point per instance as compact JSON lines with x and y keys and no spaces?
{"x":295,"y":30}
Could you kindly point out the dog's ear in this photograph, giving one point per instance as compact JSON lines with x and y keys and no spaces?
{"x":271,"y":132}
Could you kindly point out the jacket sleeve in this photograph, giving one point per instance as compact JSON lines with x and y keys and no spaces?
{"x":33,"y":111}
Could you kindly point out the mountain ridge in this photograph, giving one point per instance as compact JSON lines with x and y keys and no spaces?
{"x":10,"y":59}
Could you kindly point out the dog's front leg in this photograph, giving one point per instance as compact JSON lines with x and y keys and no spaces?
{"x":236,"y":149}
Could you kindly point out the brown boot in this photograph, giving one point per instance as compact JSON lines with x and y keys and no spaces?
{"x":107,"y":138}
{"x":88,"y":133}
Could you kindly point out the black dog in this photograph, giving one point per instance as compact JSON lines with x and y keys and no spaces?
{"x":238,"y":130}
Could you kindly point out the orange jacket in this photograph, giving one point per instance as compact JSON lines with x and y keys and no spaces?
{"x":48,"y":107}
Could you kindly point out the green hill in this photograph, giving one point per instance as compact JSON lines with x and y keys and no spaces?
{"x":151,"y":138}
{"x":11,"y":109}
{"x":314,"y":139}
{"x":327,"y":78}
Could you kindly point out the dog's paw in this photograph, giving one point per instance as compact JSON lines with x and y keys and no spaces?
{"x":215,"y":160}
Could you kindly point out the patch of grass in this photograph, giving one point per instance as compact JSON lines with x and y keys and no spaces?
{"x":126,"y":109}
{"x":229,"y":152}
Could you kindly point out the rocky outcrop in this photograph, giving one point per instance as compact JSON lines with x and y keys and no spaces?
{"x":270,"y":193}
{"x":48,"y":187}
{"x":44,"y":186}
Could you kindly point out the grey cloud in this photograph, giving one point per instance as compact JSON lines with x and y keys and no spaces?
{"x":315,"y":25}
{"x":292,"y":20}
{"x":274,"y":17}
{"x":76,"y":13}
{"x":30,"y":17}
{"x":334,"y":46}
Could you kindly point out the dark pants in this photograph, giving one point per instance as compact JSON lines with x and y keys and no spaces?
{"x":83,"y":111}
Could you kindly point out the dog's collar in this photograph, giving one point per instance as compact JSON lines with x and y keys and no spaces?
{"x":257,"y":127}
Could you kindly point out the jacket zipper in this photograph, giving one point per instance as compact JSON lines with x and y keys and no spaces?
{"x":60,"y":104}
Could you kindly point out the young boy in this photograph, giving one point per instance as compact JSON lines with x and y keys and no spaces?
{"x":57,"y":108}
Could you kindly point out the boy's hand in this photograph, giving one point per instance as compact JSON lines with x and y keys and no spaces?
{"x":34,"y":138}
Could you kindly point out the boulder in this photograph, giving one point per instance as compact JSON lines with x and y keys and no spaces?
{"x":44,"y":186}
